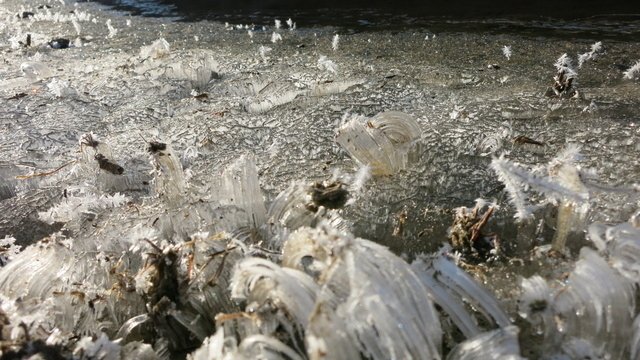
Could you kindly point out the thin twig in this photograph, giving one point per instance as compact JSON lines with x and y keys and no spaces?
{"x":477,"y":227}
{"x":22,"y":177}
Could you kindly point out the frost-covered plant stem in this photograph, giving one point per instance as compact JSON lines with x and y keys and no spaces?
{"x":566,"y":215}
{"x":562,"y":169}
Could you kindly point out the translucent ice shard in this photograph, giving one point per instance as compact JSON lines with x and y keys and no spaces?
{"x":453,"y":289}
{"x":239,"y":187}
{"x":497,"y":344}
{"x":294,"y":208}
{"x":371,"y":303}
{"x":264,"y":284}
{"x":597,"y":305}
{"x":71,"y":284}
{"x":61,"y":88}
{"x":223,"y":346}
{"x":35,"y":70}
{"x":158,"y":49}
{"x":81,"y":204}
{"x":170,"y":182}
{"x":622,"y":242}
{"x":381,"y":142}
{"x":635,"y":341}
{"x":265,"y":102}
{"x":535,"y":301}
{"x":198,"y":72}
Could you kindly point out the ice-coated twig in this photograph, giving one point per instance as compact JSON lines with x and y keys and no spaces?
{"x":562,"y":169}
{"x":46,"y":173}
{"x":563,"y":81}
{"x":513,"y":184}
{"x":515,"y":178}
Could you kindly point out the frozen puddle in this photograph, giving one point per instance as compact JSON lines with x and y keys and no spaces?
{"x":173,"y":189}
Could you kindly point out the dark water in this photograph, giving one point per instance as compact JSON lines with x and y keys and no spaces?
{"x":198,"y":9}
{"x":618,"y":20}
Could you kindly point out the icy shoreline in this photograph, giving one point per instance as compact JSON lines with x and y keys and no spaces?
{"x":235,"y":224}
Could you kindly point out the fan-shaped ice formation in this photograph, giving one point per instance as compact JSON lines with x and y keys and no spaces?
{"x":450,"y":288}
{"x":381,"y":142}
{"x":362,"y":279}
{"x":497,"y":344}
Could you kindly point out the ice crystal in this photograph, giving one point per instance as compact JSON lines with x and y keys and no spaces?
{"x":102,"y":348}
{"x":596,"y":51}
{"x":291,"y":24}
{"x":77,"y":26}
{"x":60,"y":88}
{"x":74,"y":206}
{"x":633,"y":72}
{"x":275,"y":37}
{"x":158,"y":49}
{"x":564,"y":78}
{"x":564,"y":184}
{"x":325,"y":64}
{"x":112,"y":30}
{"x":496,"y":344}
{"x":9,"y":249}
{"x":335,"y":42}
{"x":263,"y":51}
{"x":506,"y":51}
{"x":35,"y":70}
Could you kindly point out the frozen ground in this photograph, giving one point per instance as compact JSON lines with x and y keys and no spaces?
{"x":215,"y":92}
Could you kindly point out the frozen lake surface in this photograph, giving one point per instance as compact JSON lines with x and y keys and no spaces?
{"x":251,"y":116}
